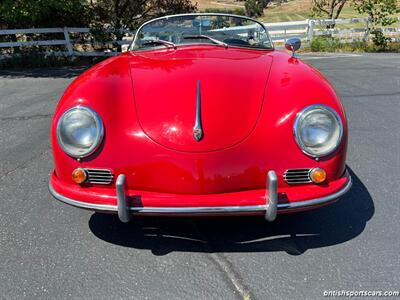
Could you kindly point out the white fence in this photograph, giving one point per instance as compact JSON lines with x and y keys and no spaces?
{"x":66,"y":42}
{"x":308,"y":29}
{"x":279,"y":32}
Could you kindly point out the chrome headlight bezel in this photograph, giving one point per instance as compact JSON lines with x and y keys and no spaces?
{"x":299,"y":119}
{"x":99,"y":133}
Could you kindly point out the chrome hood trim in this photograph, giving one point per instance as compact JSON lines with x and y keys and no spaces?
{"x":198,"y":128}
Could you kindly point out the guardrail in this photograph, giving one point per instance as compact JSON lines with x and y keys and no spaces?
{"x":279,"y":32}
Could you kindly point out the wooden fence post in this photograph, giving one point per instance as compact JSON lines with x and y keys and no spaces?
{"x":310,"y":33}
{"x":68,"y":41}
{"x":366,"y":35}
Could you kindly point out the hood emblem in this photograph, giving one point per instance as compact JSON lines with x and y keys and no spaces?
{"x":197,"y":134}
{"x":198,"y":129}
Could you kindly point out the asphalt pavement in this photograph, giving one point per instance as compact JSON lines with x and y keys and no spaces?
{"x":49,"y":250}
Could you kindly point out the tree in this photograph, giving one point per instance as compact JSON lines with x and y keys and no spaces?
{"x":329,"y":8}
{"x":123,"y":14}
{"x":380,"y":13}
{"x":44,"y":13}
{"x":255,"y":8}
{"x":130,"y":13}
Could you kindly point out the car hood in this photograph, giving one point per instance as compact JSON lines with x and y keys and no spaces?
{"x":230,"y":82}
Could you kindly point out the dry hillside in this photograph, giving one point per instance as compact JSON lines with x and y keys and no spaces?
{"x":293,"y":10}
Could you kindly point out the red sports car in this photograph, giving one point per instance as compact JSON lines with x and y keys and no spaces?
{"x":202,"y":116}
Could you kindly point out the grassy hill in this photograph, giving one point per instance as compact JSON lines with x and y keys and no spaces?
{"x":293,"y":10}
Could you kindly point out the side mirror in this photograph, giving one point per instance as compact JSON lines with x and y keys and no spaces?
{"x":293,"y":45}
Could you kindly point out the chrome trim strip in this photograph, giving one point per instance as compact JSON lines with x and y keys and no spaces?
{"x":193,"y":210}
{"x":318,"y":201}
{"x":198,"y":128}
{"x":80,"y":204}
{"x":198,"y":210}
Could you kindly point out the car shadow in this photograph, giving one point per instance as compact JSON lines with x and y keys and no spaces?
{"x":292,"y":233}
{"x":56,"y":72}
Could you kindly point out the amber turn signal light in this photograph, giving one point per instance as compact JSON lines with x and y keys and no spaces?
{"x":79,"y":175}
{"x":318,"y":175}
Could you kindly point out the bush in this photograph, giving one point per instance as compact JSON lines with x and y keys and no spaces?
{"x":329,"y":44}
{"x":379,"y":39}
{"x":324,"y":44}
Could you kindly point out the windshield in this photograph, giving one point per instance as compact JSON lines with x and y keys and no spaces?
{"x":216,"y":29}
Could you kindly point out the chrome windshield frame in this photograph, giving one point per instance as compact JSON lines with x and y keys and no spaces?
{"x":131,"y":46}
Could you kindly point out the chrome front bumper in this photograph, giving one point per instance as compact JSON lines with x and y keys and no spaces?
{"x":270,"y":208}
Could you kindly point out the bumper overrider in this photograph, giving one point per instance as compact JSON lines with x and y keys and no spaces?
{"x":270,"y":208}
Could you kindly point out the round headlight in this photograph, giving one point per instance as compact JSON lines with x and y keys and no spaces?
{"x":318,"y":130}
{"x":79,"y":131}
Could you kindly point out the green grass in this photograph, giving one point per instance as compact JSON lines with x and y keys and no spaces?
{"x":235,"y":11}
{"x":298,"y":10}
{"x":329,"y":44}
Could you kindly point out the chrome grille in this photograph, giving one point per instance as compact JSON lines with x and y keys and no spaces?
{"x":99,"y":176}
{"x":293,"y":176}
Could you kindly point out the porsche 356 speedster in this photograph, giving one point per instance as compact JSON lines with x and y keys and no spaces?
{"x":202,"y":116}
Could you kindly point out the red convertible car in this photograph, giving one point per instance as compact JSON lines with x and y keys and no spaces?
{"x":202,"y":116}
